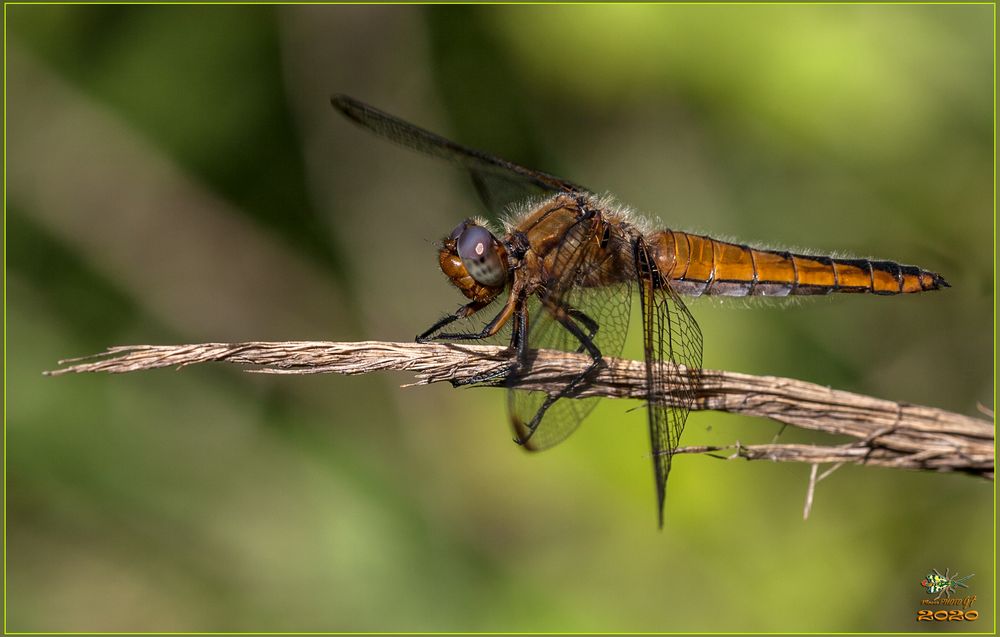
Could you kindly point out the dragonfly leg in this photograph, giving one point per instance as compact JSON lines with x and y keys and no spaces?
{"x":518,"y":345}
{"x":563,"y":315}
{"x":465,"y":311}
{"x":491,"y":328}
{"x":588,"y":322}
{"x":491,"y":377}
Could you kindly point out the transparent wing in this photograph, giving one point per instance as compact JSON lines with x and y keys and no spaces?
{"x":498,"y":181}
{"x":671,"y":338}
{"x":588,"y":283}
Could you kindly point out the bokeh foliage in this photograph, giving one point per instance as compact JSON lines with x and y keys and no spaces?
{"x":217,"y":500}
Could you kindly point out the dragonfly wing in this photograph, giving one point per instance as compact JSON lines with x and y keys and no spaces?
{"x":601,"y":312}
{"x":671,"y":338}
{"x":497,"y":181}
{"x":499,"y":191}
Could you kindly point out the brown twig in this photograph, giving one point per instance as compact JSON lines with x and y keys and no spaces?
{"x":886,"y":433}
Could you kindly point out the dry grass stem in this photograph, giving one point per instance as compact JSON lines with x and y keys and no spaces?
{"x":885,"y":433}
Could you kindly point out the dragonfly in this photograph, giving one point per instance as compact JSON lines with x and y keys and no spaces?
{"x":562,"y":274}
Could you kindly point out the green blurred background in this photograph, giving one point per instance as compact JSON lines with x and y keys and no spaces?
{"x":176,"y":174}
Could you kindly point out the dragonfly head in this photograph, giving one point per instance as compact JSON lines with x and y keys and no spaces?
{"x":474,"y":261}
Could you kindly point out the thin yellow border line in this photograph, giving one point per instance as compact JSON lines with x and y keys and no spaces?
{"x":714,"y":2}
{"x":487,"y":633}
{"x":994,"y":312}
{"x":5,"y":76}
{"x":543,"y":2}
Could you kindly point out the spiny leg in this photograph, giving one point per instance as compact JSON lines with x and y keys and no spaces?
{"x":588,"y":322}
{"x":465,"y":311}
{"x":518,"y":345}
{"x":562,"y":315}
{"x":468,"y":310}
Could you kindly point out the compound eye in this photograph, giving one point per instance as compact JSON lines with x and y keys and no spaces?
{"x":457,"y":232}
{"x":477,"y":249}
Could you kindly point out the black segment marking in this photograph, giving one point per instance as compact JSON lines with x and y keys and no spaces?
{"x":795,"y":271}
{"x":687,"y":266}
{"x":857,"y":263}
{"x":753,"y":264}
{"x":828,"y":261}
{"x":910,"y":270}
{"x":711,"y":273}
{"x":891,"y":268}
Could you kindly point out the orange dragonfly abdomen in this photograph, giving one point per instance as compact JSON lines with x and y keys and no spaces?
{"x":697,"y":265}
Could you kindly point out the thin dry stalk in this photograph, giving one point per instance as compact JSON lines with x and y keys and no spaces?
{"x":886,"y":433}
